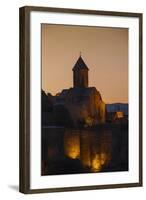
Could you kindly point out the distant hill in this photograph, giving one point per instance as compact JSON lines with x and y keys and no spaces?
{"x":117,"y":107}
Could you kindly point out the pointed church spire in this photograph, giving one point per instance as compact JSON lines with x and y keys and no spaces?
{"x":80,"y":74}
{"x":80,"y":64}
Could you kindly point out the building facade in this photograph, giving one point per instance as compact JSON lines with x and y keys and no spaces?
{"x":84,"y":103}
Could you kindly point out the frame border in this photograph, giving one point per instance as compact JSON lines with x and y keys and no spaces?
{"x":24,"y":98}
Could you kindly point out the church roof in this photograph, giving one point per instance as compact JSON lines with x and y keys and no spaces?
{"x":80,"y":64}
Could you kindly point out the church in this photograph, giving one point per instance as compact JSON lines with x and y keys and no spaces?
{"x":83,"y":103}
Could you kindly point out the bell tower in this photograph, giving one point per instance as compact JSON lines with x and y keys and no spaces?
{"x":80,"y":74}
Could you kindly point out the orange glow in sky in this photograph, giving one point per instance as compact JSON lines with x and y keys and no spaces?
{"x":104,"y":50}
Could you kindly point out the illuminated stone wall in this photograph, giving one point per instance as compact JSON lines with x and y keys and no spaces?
{"x":93,"y":149}
{"x":85,"y":106}
{"x":72,"y":144}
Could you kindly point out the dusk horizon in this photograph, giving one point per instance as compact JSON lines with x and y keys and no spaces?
{"x":104,"y":50}
{"x":57,"y":92}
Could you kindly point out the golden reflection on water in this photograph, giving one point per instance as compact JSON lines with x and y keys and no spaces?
{"x":99,"y":161}
{"x":96,"y":163}
{"x":93,"y":150}
{"x":72,"y":145}
{"x":103,"y":158}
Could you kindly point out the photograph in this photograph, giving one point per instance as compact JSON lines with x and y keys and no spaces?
{"x":80,"y":99}
{"x":84,"y":99}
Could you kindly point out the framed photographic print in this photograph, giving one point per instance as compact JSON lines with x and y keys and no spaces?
{"x":80,"y":99}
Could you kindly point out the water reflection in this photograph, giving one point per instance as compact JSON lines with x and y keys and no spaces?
{"x":93,"y":150}
{"x":72,"y":144}
{"x":66,"y":151}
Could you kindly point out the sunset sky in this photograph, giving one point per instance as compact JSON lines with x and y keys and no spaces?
{"x":104,"y":50}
